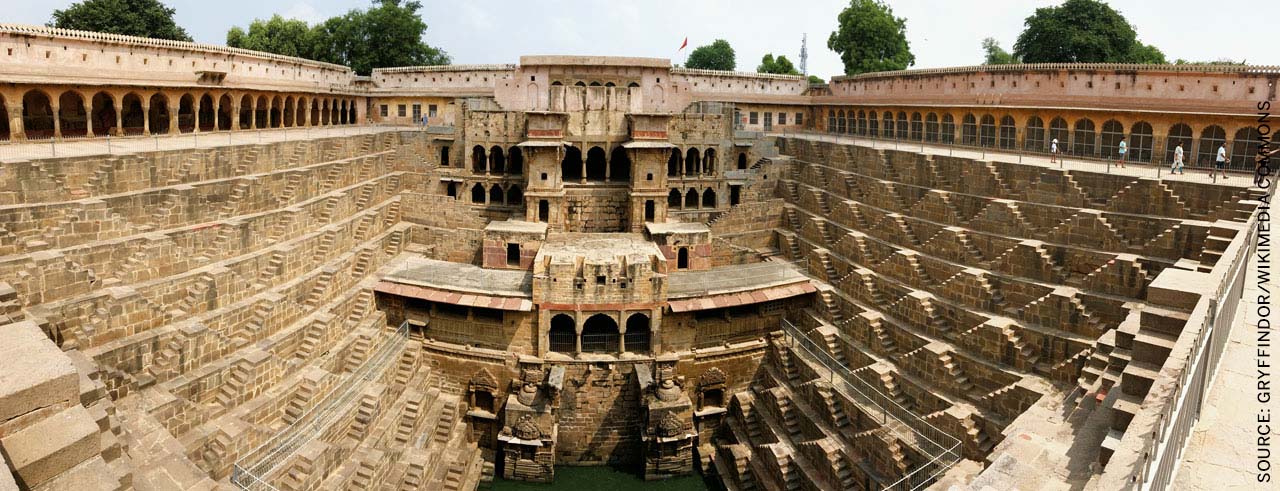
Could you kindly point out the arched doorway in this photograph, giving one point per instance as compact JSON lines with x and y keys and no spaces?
{"x":315,"y":113}
{"x":515,"y":161}
{"x":477,"y":194}
{"x":1085,"y":139}
{"x":948,"y":129}
{"x":682,"y":258}
{"x":261,"y":113}
{"x":709,"y":161}
{"x":742,"y":160}
{"x":691,"y":160}
{"x":37,"y":115}
{"x":886,"y":124}
{"x":562,"y":337}
{"x":1211,"y":138}
{"x":132,"y":117}
{"x":496,"y":196}
{"x":673,"y":199}
{"x":186,"y":113}
{"x":619,"y":165}
{"x":709,"y":198}
{"x":1112,"y":133}
{"x":987,"y":131}
{"x":225,"y":116}
{"x":72,"y":118}
{"x":1179,"y":134}
{"x":691,"y":199}
{"x":1058,"y":131}
{"x":206,"y":118}
{"x":1008,"y":133}
{"x":931,"y":127}
{"x":287,"y":116}
{"x":917,"y":127}
{"x":497,"y":160}
{"x":571,"y":164}
{"x":862,"y":123}
{"x":515,"y":197}
{"x":600,"y":334}
{"x":1244,"y":148}
{"x":673,"y":163}
{"x":104,"y":114}
{"x":246,"y":112}
{"x":637,"y":338}
{"x":1034,"y":139}
{"x":969,"y":130}
{"x":596,"y":164}
{"x":478,"y":160}
{"x":159,"y":114}
{"x":544,"y":211}
{"x":1140,"y":144}
{"x":902,"y":128}
{"x":5,"y":135}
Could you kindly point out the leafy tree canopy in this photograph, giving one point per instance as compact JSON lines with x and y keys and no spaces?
{"x":814,"y":79}
{"x":387,"y":34}
{"x":995,"y":54}
{"x":146,"y":18}
{"x":870,"y":39}
{"x":779,"y":65}
{"x":715,"y":56}
{"x":1221,"y":61}
{"x":1082,"y":31}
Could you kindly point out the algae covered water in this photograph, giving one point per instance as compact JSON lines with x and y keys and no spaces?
{"x":602,"y":477}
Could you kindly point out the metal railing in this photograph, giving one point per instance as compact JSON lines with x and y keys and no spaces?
{"x":1178,"y":418}
{"x":34,"y":148}
{"x":942,"y":448}
{"x":254,"y":470}
{"x":1147,"y":154}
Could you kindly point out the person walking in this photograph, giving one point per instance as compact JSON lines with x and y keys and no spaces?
{"x":1177,"y":160}
{"x":1053,"y":151}
{"x":1124,"y":149}
{"x":1221,"y":163}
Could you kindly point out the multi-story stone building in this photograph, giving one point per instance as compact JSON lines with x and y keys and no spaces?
{"x":501,"y":269}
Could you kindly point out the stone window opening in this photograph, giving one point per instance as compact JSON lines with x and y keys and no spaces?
{"x":515,"y":161}
{"x":562,"y":335}
{"x":452,"y":190}
{"x":682,"y":258}
{"x":477,"y":194}
{"x":619,"y":165}
{"x":649,"y":210}
{"x":478,"y":159}
{"x":513,"y":254}
{"x":544,"y":211}
{"x":571,"y":164}
{"x":444,"y":156}
{"x":638,"y":336}
{"x":742,"y":160}
{"x":600,"y":335}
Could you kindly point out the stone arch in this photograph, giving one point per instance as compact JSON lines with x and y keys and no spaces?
{"x":532,"y":95}
{"x":477,"y":194}
{"x":691,"y":160}
{"x":571,"y":164}
{"x":902,"y":126}
{"x":206,"y":118}
{"x":1211,"y":137}
{"x":159,"y":114}
{"x":1180,"y":134}
{"x":931,"y":127}
{"x":261,"y":112}
{"x":351,"y":112}
{"x":619,"y":165}
{"x":948,"y":128}
{"x":1084,"y":142}
{"x":1141,"y":142}
{"x":917,"y":127}
{"x":5,"y":133}
{"x":742,"y":160}
{"x":862,"y":123}
{"x":987,"y":131}
{"x":709,"y":161}
{"x":1244,"y":148}
{"x":515,"y":196}
{"x":638,"y":336}
{"x":1058,"y":131}
{"x":497,"y":160}
{"x":225,"y":118}
{"x":840,"y":122}
{"x":496,"y":195}
{"x":246,"y":112}
{"x":131,"y":114}
{"x":597,"y":164}
{"x":1112,"y":133}
{"x":1034,"y":139}
{"x":37,"y":114}
{"x":600,"y":334}
{"x":275,"y":116}
{"x":873,"y":125}
{"x":515,"y":161}
{"x":562,"y":337}
{"x":186,"y":113}
{"x":478,"y":159}
{"x":673,"y":163}
{"x":315,"y":112}
{"x":105,"y":115}
{"x":287,"y":114}
{"x":73,"y":119}
{"x":969,"y":130}
{"x":691,"y":199}
{"x":886,"y":124}
{"x":1008,"y":133}
{"x":673,"y":199}
{"x":709,"y":198}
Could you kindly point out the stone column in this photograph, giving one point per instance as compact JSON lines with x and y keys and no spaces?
{"x":57,"y":119}
{"x":119,"y":102}
{"x":146,"y":116}
{"x":88,"y":118}
{"x":253,"y":113}
{"x":577,"y":338}
{"x":622,"y":337}
{"x":175,"y":111}
{"x":195,"y":112}
{"x":235,"y":115}
{"x":17,"y":131}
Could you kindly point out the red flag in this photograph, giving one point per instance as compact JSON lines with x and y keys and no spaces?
{"x":685,"y":43}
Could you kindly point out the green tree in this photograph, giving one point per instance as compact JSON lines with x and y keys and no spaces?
{"x":995,"y":54}
{"x":1082,"y":31}
{"x":289,"y":37}
{"x":870,"y":39}
{"x":146,"y":18}
{"x":780,"y":65}
{"x":814,"y":79}
{"x":387,"y":34}
{"x":715,"y":56}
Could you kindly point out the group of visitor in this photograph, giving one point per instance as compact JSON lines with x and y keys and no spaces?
{"x":1220,"y":164}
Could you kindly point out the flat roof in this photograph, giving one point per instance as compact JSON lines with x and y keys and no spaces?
{"x":676,"y":228}
{"x":460,"y":278}
{"x":732,"y":279}
{"x":520,"y":226}
{"x":596,"y":248}
{"x":568,"y":60}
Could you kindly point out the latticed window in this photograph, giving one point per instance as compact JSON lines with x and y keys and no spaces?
{"x":931,"y":127}
{"x":1140,"y":142}
{"x":1112,"y":133}
{"x":1211,"y":138}
{"x":969,"y":130}
{"x":1034,"y":139}
{"x":988,"y":131}
{"x":1084,"y":143}
{"x":1180,"y":134}
{"x":1008,"y":133}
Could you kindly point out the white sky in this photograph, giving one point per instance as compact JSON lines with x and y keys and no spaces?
{"x":941,"y":33}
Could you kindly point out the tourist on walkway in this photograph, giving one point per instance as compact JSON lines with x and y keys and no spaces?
{"x":1221,"y":163}
{"x":1177,"y":161}
{"x":1053,"y":151}
{"x":1124,"y":148}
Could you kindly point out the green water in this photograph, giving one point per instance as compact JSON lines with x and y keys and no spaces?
{"x":602,"y":477}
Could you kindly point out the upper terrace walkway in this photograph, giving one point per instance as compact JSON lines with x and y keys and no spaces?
{"x":30,"y":150}
{"x":1236,"y":179}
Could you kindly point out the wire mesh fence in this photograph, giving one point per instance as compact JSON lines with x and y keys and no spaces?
{"x":254,"y":471}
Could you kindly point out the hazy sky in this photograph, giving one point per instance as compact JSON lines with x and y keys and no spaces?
{"x":941,"y":33}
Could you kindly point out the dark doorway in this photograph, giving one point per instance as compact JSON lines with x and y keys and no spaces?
{"x":544,"y":211}
{"x":648,"y":210}
{"x":682,"y":258}
{"x":513,"y":254}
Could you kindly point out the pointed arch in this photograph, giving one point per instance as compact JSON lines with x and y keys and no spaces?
{"x":104,"y":114}
{"x":37,"y":114}
{"x":186,"y":113}
{"x":497,"y":160}
{"x":515,"y":196}
{"x":619,"y":165}
{"x":673,"y":199}
{"x":477,"y":194}
{"x":673,"y":163}
{"x":496,"y":195}
{"x":709,"y":198}
{"x":73,"y":119}
{"x":691,"y":160}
